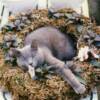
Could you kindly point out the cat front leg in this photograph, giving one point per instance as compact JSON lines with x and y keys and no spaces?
{"x":31,"y":71}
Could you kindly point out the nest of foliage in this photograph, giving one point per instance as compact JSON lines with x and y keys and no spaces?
{"x":48,"y":86}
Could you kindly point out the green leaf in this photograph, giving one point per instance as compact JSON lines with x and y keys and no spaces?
{"x":95,"y":63}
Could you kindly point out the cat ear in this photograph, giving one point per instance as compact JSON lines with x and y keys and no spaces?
{"x":34,"y":45}
{"x":15,"y":52}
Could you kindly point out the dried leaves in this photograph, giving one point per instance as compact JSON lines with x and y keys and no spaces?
{"x":48,"y":85}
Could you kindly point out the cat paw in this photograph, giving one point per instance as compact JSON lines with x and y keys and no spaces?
{"x":80,"y":90}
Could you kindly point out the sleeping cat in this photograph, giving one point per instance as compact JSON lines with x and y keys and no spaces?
{"x":50,"y":45}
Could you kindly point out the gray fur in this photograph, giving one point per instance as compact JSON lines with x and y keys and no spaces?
{"x":50,"y":45}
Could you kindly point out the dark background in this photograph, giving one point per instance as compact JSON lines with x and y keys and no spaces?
{"x":94,"y":10}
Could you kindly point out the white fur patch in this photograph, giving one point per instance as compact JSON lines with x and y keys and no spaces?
{"x":83,"y":53}
{"x":31,"y":71}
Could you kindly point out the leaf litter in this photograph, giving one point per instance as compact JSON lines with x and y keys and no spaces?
{"x":48,"y":85}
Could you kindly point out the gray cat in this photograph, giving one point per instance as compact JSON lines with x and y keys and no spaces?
{"x":50,"y":45}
